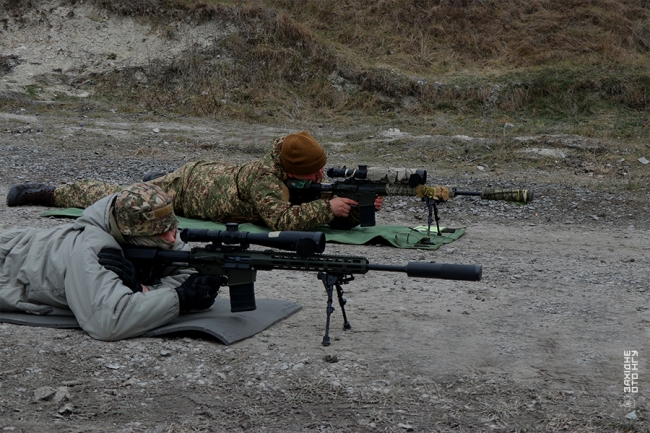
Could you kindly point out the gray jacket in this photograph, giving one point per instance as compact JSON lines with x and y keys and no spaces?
{"x":56,"y":271}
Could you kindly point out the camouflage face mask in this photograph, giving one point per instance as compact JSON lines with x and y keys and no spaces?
{"x":149,"y":241}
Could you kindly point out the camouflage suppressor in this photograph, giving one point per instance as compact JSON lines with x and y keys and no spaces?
{"x":228,"y":256}
{"x":517,"y":195}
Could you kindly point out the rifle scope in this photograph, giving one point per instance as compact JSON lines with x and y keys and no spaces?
{"x":443,"y":271}
{"x":305,"y":244}
{"x":418,"y":176}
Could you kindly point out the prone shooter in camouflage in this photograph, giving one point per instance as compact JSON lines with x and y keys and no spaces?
{"x":252,"y":192}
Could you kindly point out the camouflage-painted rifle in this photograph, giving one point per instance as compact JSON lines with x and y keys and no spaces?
{"x":364,"y":184}
{"x":227,"y":255}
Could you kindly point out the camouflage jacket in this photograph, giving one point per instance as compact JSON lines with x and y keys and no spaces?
{"x":252,"y":192}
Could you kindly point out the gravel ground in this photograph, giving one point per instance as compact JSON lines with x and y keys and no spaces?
{"x":537,"y":345}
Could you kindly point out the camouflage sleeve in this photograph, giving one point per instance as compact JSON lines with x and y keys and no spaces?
{"x":278,"y":213}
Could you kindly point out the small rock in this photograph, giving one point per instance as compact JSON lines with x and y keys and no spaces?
{"x":631,"y":416}
{"x":44,"y":393}
{"x":643,"y":161}
{"x":406,"y":427}
{"x":165,"y":353}
{"x":156,"y":130}
{"x":62,"y":393}
{"x":66,"y":409}
{"x":480,"y":167}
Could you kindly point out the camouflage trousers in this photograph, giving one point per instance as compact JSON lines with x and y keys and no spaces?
{"x":86,"y":192}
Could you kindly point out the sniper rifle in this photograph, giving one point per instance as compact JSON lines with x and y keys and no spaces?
{"x":228,"y":255}
{"x":364,"y":184}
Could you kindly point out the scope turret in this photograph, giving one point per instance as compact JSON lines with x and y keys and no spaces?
{"x":305,"y":244}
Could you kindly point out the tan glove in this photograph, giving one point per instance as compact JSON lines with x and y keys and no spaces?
{"x":439,"y":193}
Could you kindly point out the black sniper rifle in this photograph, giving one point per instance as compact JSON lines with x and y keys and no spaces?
{"x":364,"y":184}
{"x":228,"y":255}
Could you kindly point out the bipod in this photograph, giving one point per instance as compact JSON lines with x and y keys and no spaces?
{"x":331,"y":280}
{"x":433,"y":216}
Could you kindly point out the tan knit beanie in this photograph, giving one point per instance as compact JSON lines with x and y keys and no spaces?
{"x":301,"y":154}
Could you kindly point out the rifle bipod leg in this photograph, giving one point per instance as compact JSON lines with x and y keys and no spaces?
{"x":330,"y":281}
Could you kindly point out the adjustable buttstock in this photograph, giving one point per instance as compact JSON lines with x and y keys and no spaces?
{"x":444,"y":271}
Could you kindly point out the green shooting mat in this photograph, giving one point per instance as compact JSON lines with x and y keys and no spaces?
{"x":397,"y":236}
{"x":217,"y":322}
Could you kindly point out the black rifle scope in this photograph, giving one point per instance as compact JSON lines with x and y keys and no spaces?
{"x":305,"y":244}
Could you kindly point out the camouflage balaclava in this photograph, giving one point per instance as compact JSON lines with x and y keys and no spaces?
{"x":144,"y":210}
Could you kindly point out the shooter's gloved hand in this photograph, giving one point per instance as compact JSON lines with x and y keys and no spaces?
{"x":198,"y":292}
{"x":112,"y":259}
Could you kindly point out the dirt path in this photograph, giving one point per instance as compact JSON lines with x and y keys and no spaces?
{"x":537,"y":345}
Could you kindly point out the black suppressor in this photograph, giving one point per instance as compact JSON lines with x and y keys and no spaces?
{"x":443,"y":271}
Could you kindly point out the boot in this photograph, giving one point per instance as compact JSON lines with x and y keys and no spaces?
{"x":151,"y":175}
{"x":31,"y":194}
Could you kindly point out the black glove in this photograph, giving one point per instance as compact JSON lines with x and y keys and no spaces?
{"x":112,"y":259}
{"x":198,"y":292}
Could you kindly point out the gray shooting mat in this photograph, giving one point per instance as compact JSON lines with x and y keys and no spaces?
{"x":217,"y":322}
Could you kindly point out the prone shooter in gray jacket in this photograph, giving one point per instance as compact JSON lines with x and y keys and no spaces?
{"x":78,"y":268}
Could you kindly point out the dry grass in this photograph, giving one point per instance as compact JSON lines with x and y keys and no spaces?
{"x":546,"y":65}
